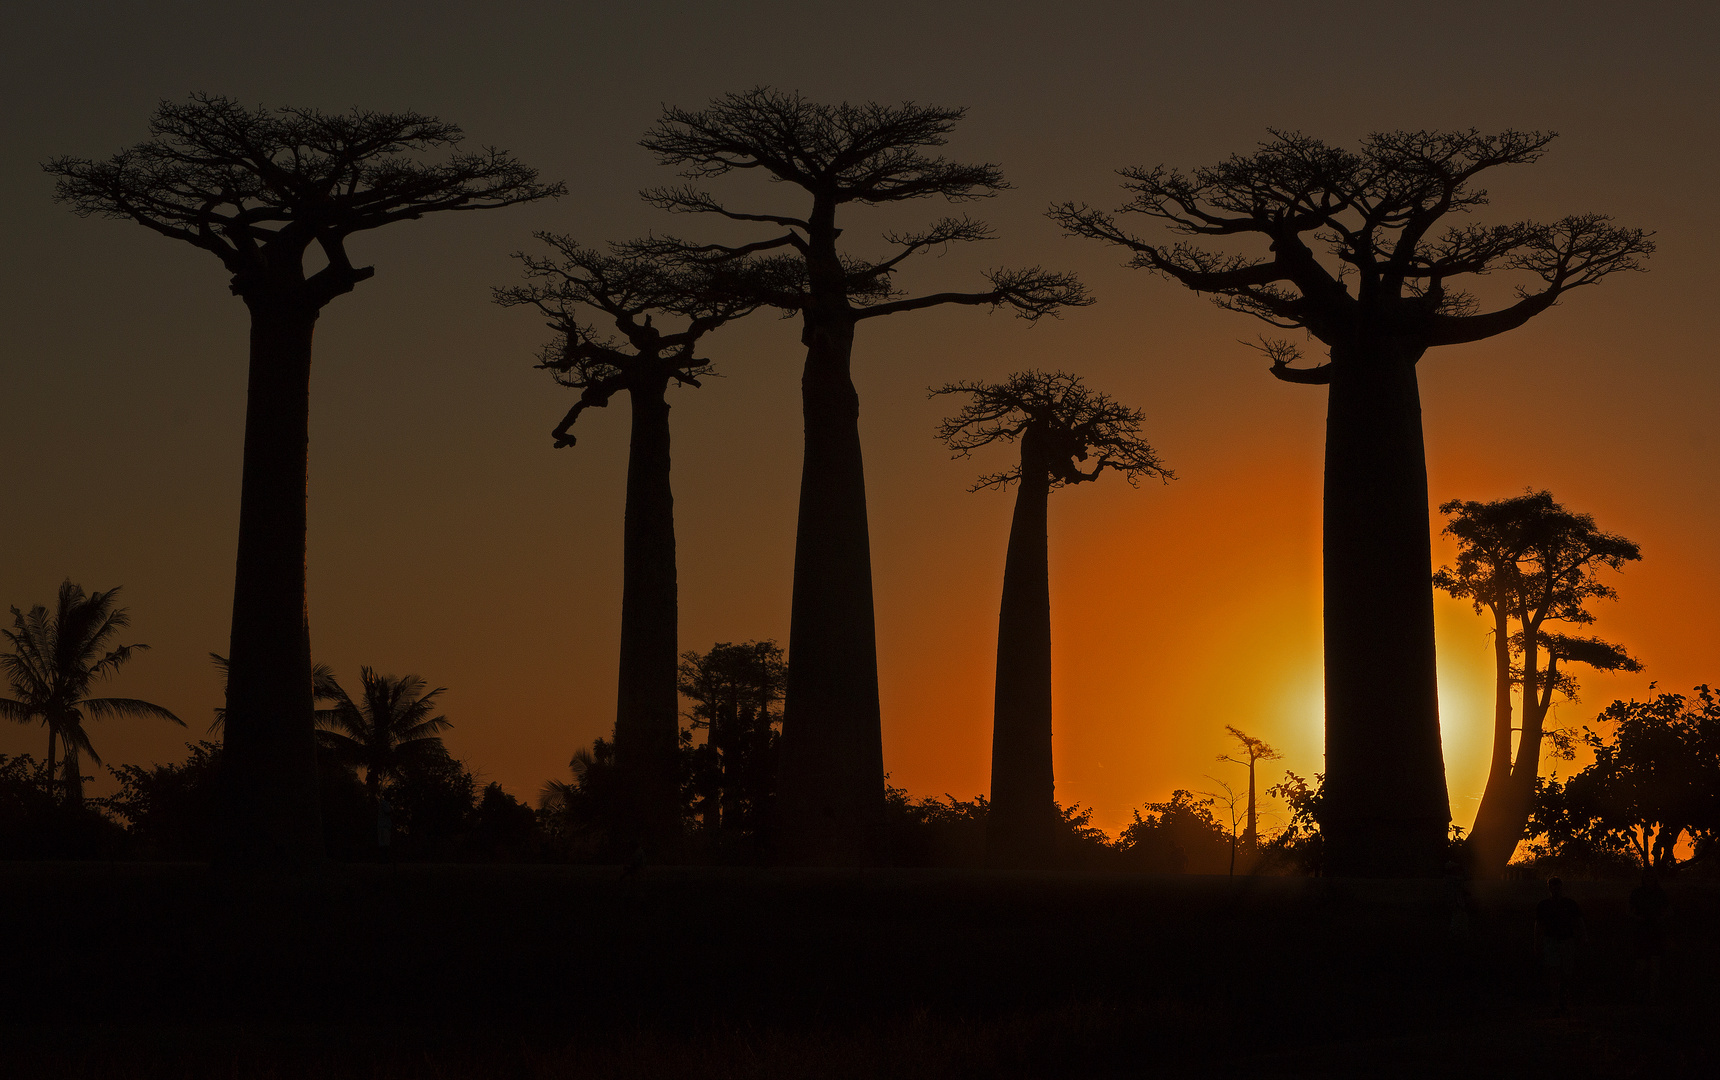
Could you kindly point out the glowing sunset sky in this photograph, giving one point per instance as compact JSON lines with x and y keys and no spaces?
{"x":449,"y":539}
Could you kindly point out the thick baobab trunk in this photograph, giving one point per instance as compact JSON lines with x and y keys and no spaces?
{"x":269,"y":767}
{"x":1387,"y":811}
{"x":1019,"y":827}
{"x":647,"y":714}
{"x":1491,"y":839}
{"x":832,"y":774}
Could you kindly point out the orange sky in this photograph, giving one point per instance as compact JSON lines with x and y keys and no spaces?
{"x":450,"y":540}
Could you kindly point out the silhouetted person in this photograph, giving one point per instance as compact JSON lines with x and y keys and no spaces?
{"x":1648,"y":905}
{"x":1559,"y":926}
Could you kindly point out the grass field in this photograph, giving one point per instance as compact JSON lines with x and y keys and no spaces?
{"x":132,"y":970}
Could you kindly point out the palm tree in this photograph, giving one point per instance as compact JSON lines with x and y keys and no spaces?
{"x":54,"y":659}
{"x":384,"y":733}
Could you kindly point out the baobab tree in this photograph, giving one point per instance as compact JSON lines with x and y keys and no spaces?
{"x":55,"y":657}
{"x":1059,"y":424}
{"x":832,"y":791}
{"x":1252,"y":750}
{"x":1358,"y":256}
{"x":258,"y":189}
{"x":1530,"y":561}
{"x":628,"y":288}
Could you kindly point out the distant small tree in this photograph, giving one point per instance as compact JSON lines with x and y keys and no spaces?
{"x":629,"y":288}
{"x":53,"y":660}
{"x":1235,"y":812}
{"x":1252,"y":750}
{"x":1368,"y":251}
{"x":839,"y":156}
{"x":1530,"y":562}
{"x":258,"y":189}
{"x":1060,"y":424}
{"x":736,"y":694}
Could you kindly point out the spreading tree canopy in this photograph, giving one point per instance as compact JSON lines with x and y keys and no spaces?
{"x":258,"y":188}
{"x":1370,"y":251}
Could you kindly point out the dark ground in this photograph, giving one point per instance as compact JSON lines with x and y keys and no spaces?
{"x":135,"y":970}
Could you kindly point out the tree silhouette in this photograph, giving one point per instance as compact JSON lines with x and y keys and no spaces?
{"x":1529,"y":560}
{"x":1059,"y":424}
{"x":735,"y":690}
{"x":1252,"y":750}
{"x":1357,"y":258}
{"x":53,"y":660}
{"x":387,"y":731}
{"x":257,"y":189}
{"x":833,"y":767}
{"x":627,"y":287}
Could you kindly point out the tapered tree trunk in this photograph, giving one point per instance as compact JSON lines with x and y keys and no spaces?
{"x":1491,"y":839}
{"x":1019,"y":829}
{"x":269,"y":761}
{"x":52,"y":735}
{"x":832,"y":772}
{"x":71,"y":764}
{"x":1387,"y":811}
{"x":647,"y":714}
{"x":1251,"y":829}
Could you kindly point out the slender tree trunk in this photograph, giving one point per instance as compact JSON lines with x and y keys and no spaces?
{"x":53,"y":732}
{"x":1387,"y":811}
{"x":1019,"y":828}
{"x":1251,"y":836}
{"x":269,"y":762}
{"x":1491,"y":840}
{"x":1517,"y":794}
{"x":72,"y":765}
{"x":647,"y":716}
{"x":832,"y":767}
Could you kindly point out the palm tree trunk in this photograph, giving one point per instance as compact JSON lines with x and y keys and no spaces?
{"x":72,"y":765}
{"x":53,"y":732}
{"x":1491,"y":840}
{"x":647,"y":715}
{"x":1019,"y":825}
{"x":1387,"y":811}
{"x":269,"y":761}
{"x":832,"y":771}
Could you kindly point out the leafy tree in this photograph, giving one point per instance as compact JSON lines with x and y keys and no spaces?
{"x":736,"y":691}
{"x":1059,"y":424}
{"x":1252,"y":750}
{"x":1360,"y":253}
{"x":1530,"y":561}
{"x":583,"y":816}
{"x":838,"y":156}
{"x":36,"y":822}
{"x":53,"y":661}
{"x":258,"y":189}
{"x":1654,"y":781}
{"x":388,"y":730}
{"x":1175,"y":836}
{"x":1300,"y":842}
{"x":171,"y":809}
{"x":628,"y":288}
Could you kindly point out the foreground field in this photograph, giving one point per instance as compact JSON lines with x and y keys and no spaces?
{"x":524,"y":971}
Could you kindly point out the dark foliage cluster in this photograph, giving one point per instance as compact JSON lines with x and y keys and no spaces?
{"x":1652,"y":791}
